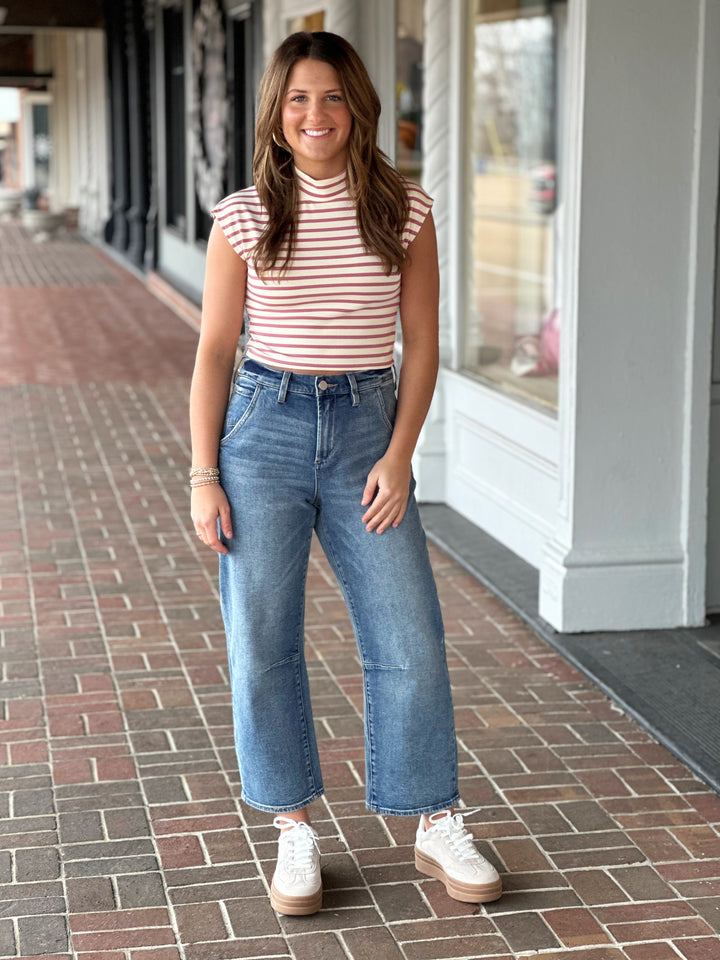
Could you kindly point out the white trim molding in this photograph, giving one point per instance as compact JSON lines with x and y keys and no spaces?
{"x":598,"y":592}
{"x":501,"y":470}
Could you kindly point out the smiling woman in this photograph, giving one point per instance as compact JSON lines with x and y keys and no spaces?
{"x":323,"y":250}
{"x":316,"y":120}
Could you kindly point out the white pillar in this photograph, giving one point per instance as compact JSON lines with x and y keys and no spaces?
{"x":273,"y":23}
{"x":343,"y":17}
{"x":640,"y":191}
{"x":61,"y":164}
{"x":443,"y":177}
{"x":95,"y":207}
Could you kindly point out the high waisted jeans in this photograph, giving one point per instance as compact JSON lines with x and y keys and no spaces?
{"x":294,"y":457}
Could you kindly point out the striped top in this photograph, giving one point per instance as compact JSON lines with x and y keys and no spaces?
{"x":335,"y":307}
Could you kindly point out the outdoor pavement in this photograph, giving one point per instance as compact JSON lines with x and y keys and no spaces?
{"x":123,"y":837}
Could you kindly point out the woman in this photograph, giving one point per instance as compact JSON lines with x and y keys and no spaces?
{"x":322,"y":251}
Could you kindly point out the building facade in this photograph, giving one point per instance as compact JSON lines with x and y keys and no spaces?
{"x":53,"y":60}
{"x":207,"y":64}
{"x":572,"y":150}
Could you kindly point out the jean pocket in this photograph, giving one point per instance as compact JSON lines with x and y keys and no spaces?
{"x":242,"y":403}
{"x":387,"y":402}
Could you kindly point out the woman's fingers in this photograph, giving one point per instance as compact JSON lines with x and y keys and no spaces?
{"x":378,"y":505}
{"x":383,"y":513}
{"x":388,"y":487}
{"x":214,"y":542}
{"x":207,"y":533}
{"x":370,"y":488}
{"x":400,"y":514}
{"x":208,"y":505}
{"x":225,"y":524}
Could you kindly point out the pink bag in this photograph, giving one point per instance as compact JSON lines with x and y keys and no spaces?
{"x":538,"y":355}
{"x":550,"y":341}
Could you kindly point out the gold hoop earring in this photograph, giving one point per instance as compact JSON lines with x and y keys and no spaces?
{"x":283,"y":146}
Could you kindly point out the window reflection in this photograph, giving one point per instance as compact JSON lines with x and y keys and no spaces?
{"x":512,"y":333}
{"x":310,"y":22}
{"x":409,"y":84}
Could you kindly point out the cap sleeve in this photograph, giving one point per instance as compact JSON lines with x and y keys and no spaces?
{"x":420,"y":205}
{"x":233,"y":218}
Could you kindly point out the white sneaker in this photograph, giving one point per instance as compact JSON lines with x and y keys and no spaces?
{"x":296,"y":887}
{"x":446,"y":850}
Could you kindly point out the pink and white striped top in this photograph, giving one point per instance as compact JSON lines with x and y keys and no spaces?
{"x":335,"y":307}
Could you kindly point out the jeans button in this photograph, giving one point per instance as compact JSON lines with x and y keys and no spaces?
{"x":323,"y":384}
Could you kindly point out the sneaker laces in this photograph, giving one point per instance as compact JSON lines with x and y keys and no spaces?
{"x":461,"y":840}
{"x":298,"y":841}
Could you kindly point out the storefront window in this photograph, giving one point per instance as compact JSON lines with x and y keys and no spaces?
{"x":409,"y":85}
{"x":512,"y":332}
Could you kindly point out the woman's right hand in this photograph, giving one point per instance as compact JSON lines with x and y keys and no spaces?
{"x":207,"y":503}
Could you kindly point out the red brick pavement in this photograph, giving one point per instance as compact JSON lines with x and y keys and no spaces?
{"x":122,"y":834}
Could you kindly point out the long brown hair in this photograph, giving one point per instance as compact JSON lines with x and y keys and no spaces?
{"x":376,"y":188}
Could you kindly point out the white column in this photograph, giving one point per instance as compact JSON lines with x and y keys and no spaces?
{"x":443,"y":96}
{"x":343,"y":17}
{"x":703,"y":306}
{"x":61,"y":163}
{"x":79,"y":87}
{"x":640,"y":174}
{"x":273,"y":27}
{"x":96,"y":206}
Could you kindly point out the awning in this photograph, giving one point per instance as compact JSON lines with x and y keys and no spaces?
{"x":52,"y":14}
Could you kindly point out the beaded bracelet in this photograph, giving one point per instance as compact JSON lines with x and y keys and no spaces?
{"x":204,"y":472}
{"x":204,"y":476}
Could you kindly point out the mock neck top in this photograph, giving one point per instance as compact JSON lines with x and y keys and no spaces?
{"x":334,"y":309}
{"x":321,"y":191}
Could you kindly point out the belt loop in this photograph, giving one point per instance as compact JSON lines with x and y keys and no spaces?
{"x":282,"y":392}
{"x":353,"y":389}
{"x":394,"y":373}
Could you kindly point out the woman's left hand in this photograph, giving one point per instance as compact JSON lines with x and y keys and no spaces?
{"x":386,"y":491}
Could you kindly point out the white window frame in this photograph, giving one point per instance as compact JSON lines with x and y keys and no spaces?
{"x":517,"y":439}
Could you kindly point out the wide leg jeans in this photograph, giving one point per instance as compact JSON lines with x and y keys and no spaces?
{"x":294,"y":458}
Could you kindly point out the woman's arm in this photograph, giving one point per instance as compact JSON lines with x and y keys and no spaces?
{"x":220,"y":328}
{"x":388,"y":483}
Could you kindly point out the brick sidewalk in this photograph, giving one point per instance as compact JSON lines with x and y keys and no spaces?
{"x":122,"y":834}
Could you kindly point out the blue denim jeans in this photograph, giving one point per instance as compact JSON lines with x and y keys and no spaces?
{"x":294,"y":458}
